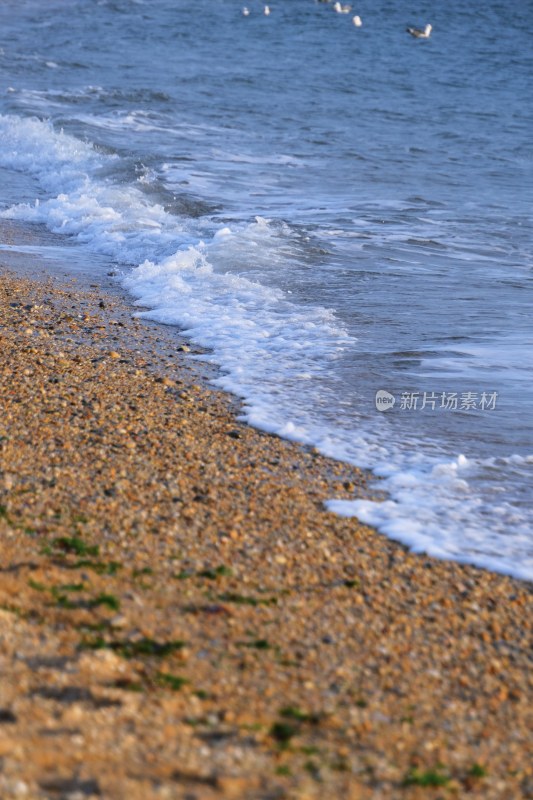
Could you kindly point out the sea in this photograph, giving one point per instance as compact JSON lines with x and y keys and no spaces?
{"x":338,"y":216}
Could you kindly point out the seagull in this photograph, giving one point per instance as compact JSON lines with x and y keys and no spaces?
{"x":246,"y":12}
{"x":266,"y":11}
{"x":357,"y":21}
{"x":340,"y":9}
{"x":420,"y":34}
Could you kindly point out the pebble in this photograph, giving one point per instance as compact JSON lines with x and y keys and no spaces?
{"x":376,"y":662}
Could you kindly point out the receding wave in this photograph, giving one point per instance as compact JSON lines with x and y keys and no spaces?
{"x":277,"y":355}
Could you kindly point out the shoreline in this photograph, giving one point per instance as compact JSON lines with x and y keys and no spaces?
{"x":180,"y":616}
{"x":33,"y":253}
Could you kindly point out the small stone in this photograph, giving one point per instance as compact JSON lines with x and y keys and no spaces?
{"x":118,"y":621}
{"x":13,"y":788}
{"x":234,"y":788}
{"x":20,"y":789}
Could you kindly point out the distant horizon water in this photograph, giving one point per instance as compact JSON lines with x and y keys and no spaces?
{"x":340,"y":215}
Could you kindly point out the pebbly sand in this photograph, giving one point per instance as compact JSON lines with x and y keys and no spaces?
{"x":181,"y":618}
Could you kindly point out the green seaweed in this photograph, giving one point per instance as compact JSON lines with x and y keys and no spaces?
{"x":76,"y":546}
{"x":174,"y":682}
{"x":295,"y":713}
{"x":183,"y":574}
{"x":108,"y":600}
{"x":283,"y":732}
{"x":130,"y":649}
{"x":217,"y":572}
{"x":426,"y":778}
{"x":61,"y":595}
{"x":477,"y":771}
{"x":64,"y":601}
{"x":259,"y":644}
{"x":39,"y":587}
{"x":239,"y":599}
{"x":144,"y":571}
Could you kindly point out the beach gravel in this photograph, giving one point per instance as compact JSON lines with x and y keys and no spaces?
{"x":180,"y":617}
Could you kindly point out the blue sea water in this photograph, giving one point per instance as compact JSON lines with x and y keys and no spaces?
{"x":332,"y":211}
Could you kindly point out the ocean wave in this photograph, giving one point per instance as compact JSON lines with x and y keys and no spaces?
{"x":223,"y":286}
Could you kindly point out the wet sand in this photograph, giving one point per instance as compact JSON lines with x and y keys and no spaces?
{"x":181,"y":618}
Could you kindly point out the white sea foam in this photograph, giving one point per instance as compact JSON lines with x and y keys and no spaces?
{"x":435,"y":510}
{"x":224,"y":292}
{"x":118,"y":221}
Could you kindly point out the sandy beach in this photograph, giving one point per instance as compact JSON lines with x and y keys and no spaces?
{"x":181,"y":618}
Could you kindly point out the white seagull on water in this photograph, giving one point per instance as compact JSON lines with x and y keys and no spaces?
{"x":357,"y":21}
{"x":420,"y":34}
{"x":266,"y":11}
{"x":246,"y":12}
{"x":340,"y":9}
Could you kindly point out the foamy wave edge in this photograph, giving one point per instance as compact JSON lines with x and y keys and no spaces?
{"x":257,"y":336}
